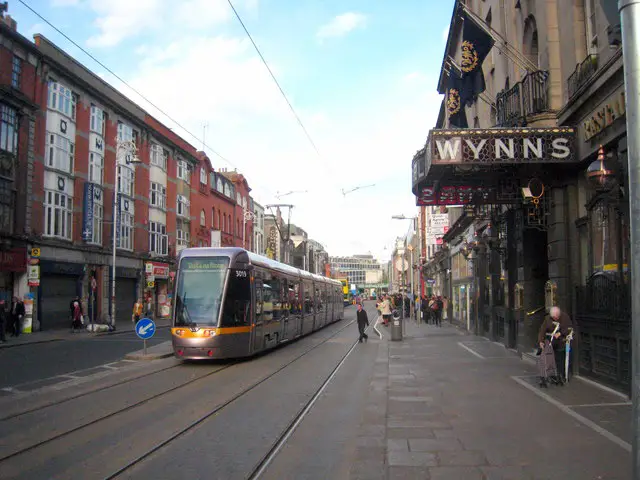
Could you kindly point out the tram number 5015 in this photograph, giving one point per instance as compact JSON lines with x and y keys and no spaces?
{"x":241,"y":273}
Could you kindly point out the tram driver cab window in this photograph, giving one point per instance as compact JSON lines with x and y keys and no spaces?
{"x":237,"y":302}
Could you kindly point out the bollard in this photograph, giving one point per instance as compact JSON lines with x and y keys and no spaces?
{"x":396,"y":327}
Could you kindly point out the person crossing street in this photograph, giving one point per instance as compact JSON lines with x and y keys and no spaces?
{"x":363,"y":322}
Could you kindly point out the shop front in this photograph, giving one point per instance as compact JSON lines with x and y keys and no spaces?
{"x":602,"y":284}
{"x":60,"y":283}
{"x":503,"y":180}
{"x":13,"y":262}
{"x":158,"y":288}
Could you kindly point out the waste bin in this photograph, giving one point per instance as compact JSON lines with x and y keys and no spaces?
{"x":396,"y":327}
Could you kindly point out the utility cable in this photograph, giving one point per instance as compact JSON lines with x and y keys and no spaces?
{"x":125,"y":82}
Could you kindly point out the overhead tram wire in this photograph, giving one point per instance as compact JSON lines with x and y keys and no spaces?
{"x":127,"y":84}
{"x":275,"y":80}
{"x":160,"y":110}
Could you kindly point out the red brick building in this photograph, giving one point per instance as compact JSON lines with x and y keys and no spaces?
{"x":243,"y":210}
{"x":60,"y":127}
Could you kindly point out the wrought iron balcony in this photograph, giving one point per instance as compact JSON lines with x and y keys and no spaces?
{"x":530,"y":96}
{"x":583,"y":72}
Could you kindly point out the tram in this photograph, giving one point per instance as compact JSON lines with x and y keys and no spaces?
{"x":231,"y":303}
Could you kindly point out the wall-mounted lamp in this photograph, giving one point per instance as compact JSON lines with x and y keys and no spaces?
{"x":601,"y":174}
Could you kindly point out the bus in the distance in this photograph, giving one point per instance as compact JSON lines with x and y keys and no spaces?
{"x":345,"y":291}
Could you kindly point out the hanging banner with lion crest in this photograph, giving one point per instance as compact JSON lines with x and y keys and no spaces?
{"x":455,"y":101}
{"x":476,"y":44}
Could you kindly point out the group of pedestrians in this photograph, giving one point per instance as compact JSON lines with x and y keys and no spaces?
{"x":11,"y":316}
{"x":431,"y":308}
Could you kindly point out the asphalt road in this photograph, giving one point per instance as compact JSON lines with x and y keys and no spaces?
{"x":32,"y":362}
{"x":258,"y":398}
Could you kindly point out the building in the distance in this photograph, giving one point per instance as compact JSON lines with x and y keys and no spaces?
{"x":362,"y":270}
{"x":258,"y":228}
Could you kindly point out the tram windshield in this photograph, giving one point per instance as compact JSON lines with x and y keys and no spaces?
{"x":199,"y":290}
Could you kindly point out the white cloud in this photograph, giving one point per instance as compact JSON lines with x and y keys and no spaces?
{"x":64,"y":3}
{"x":341,"y":25}
{"x":118,"y":20}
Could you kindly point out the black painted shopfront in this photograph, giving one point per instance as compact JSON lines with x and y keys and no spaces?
{"x":504,"y":179}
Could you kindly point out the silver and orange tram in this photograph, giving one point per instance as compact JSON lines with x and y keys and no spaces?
{"x":231,"y":303}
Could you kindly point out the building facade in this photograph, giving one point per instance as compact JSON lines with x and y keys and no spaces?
{"x":61,"y":159}
{"x":362,"y":270}
{"x":258,"y":228}
{"x":541,"y":176}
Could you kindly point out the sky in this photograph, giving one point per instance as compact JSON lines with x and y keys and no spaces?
{"x":361,"y":75}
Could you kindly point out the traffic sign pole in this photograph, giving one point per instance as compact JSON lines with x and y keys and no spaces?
{"x":145,"y":328}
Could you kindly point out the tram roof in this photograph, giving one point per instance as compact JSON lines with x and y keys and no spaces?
{"x":254,"y":259}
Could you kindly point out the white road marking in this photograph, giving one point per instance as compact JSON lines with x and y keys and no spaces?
{"x":473,"y":352}
{"x":619,"y":404}
{"x":585,"y":421}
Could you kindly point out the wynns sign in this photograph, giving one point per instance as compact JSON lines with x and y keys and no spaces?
{"x":500,"y":146}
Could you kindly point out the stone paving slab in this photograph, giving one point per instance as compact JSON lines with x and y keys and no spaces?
{"x":445,"y":413}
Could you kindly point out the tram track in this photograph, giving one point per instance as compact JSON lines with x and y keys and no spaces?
{"x":220,"y":407}
{"x":113,"y":413}
{"x":94,"y":423}
{"x":86,"y":393}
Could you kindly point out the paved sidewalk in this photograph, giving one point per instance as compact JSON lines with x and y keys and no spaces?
{"x":124,"y":326}
{"x":444,"y":404}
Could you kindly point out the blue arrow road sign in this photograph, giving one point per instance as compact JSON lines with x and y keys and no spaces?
{"x":145,"y":328}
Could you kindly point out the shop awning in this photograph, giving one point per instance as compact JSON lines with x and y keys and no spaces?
{"x":458,"y":167}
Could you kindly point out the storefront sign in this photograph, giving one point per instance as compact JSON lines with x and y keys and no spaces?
{"x":605,"y":115}
{"x":157,"y":269}
{"x":13,"y":260}
{"x":456,"y":195}
{"x":500,"y":146}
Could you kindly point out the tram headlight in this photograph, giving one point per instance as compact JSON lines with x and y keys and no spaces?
{"x":179,"y":332}
{"x":209,"y":333}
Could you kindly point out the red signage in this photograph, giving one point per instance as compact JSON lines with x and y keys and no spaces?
{"x":157,"y":269}
{"x":14,"y":260}
{"x":456,"y":195}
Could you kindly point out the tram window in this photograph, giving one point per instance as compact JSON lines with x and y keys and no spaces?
{"x":308,"y":297}
{"x":278,"y":298}
{"x":319,"y":298}
{"x":237,"y":302}
{"x":259,"y":303}
{"x":294,"y":297}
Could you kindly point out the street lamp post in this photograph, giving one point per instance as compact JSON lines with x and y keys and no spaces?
{"x":127,"y":148}
{"x":246,"y":216}
{"x":413,"y":219}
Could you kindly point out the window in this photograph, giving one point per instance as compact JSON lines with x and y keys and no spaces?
{"x":8,"y":129}
{"x":203,"y":219}
{"x":244,"y":202}
{"x":125,"y":132}
{"x":16,"y":72}
{"x":96,"y":227}
{"x":125,"y":180}
{"x":227,"y":190}
{"x":183,"y":171}
{"x":60,"y":153}
{"x":591,"y":29}
{"x":125,"y":241}
{"x":58,"y":214}
{"x":96,"y":166}
{"x":219,"y":186}
{"x":6,"y":206}
{"x":236,"y":307}
{"x":182,"y":236}
{"x":62,"y":99}
{"x":158,"y":239}
{"x":238,"y":199}
{"x":97,"y":120}
{"x":159,"y":156}
{"x":203,"y":176}
{"x":158,"y":195}
{"x":183,"y":206}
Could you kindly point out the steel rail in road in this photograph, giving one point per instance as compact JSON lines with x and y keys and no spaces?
{"x":192,"y":425}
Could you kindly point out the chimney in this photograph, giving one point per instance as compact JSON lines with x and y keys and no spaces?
{"x":11,"y":23}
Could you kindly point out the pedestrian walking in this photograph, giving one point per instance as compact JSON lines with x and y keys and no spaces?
{"x":4,"y":319}
{"x":75,"y":308}
{"x":148,"y":310}
{"x":17,"y":314}
{"x":363,"y":322}
{"x":385,"y":309}
{"x":558,"y":341}
{"x":137,"y":311}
